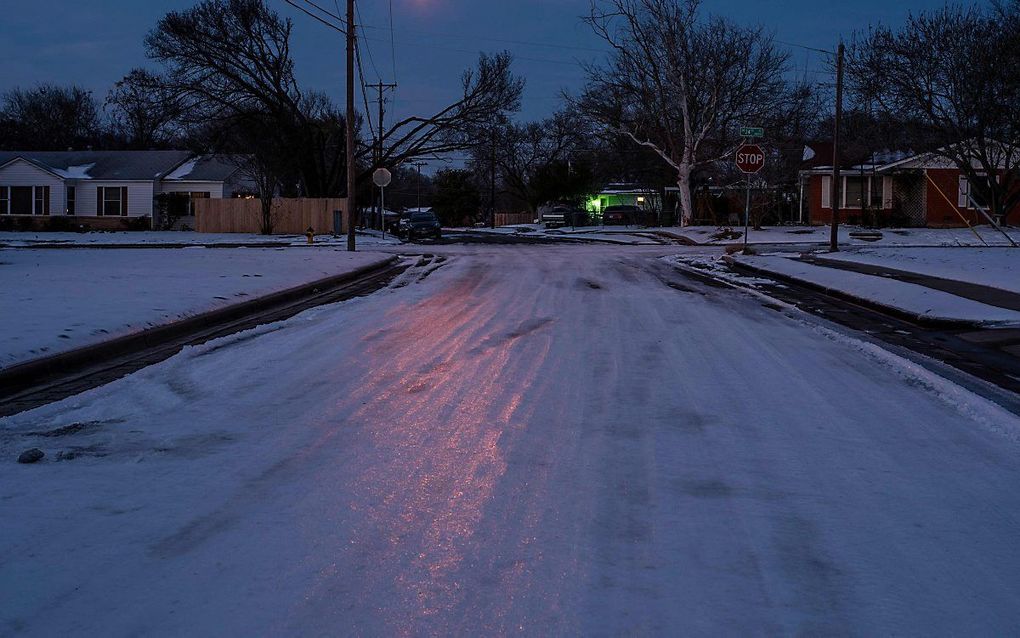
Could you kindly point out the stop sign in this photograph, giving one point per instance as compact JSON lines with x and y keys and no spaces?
{"x":750,"y":158}
{"x":382,"y":177}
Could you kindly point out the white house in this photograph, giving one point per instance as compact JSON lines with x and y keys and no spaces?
{"x":105,"y":189}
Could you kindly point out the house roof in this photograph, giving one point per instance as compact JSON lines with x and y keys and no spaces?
{"x":102,"y":165}
{"x":206,"y":168}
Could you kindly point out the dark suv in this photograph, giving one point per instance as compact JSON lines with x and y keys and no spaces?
{"x":621,"y":215}
{"x":424,"y":225}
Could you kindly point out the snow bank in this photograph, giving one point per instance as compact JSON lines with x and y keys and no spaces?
{"x":186,"y":238}
{"x":57,"y":300}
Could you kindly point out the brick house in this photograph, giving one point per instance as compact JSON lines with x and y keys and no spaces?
{"x":893,"y":189}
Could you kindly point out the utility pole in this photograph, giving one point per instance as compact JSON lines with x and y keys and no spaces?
{"x":351,"y":200}
{"x":835,"y":192}
{"x":381,"y":86}
{"x":492,"y":178}
{"x":418,"y":165}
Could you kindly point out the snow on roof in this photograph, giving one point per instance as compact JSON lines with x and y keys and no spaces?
{"x":183,"y":170}
{"x":75,"y":172}
{"x":104,"y":165}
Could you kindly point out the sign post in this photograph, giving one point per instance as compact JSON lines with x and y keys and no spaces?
{"x":382,"y":178}
{"x":750,"y":160}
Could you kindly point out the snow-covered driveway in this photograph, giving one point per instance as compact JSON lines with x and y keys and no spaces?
{"x":541,"y":440}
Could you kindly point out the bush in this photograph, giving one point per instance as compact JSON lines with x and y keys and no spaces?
{"x":138,"y":223}
{"x":59,"y":224}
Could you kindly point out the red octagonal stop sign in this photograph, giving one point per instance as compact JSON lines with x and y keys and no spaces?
{"x":750,"y":158}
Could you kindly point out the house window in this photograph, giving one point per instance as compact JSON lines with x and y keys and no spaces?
{"x":876,"y":195}
{"x":5,"y":200}
{"x":975,"y":194}
{"x":22,"y":200}
{"x":41,"y":200}
{"x":71,"y":194}
{"x":861,"y":192}
{"x":854,"y":191}
{"x":112,"y":201}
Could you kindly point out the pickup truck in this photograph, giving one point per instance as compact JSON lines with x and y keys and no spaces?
{"x":559,"y":216}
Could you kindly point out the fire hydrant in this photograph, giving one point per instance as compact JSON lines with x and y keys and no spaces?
{"x":310,"y":234}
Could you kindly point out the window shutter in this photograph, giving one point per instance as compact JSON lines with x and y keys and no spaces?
{"x":887,"y":198}
{"x":961,"y":199}
{"x":99,"y":201}
{"x":46,"y":200}
{"x":123,"y":201}
{"x":826,"y":191}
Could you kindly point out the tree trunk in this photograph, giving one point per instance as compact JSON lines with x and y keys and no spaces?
{"x":683,"y":182}
{"x":266,"y":227}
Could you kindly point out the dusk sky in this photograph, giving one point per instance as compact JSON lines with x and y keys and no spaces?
{"x":95,"y":43}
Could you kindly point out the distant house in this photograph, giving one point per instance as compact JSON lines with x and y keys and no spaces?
{"x":111,"y":189}
{"x":624,"y":195}
{"x":897,"y":189}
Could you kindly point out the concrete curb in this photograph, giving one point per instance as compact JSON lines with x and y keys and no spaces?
{"x":15,"y":378}
{"x":893,"y":311}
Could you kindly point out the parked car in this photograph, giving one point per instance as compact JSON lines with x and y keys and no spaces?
{"x":558,"y":216}
{"x":621,"y":215}
{"x":422,"y":225}
{"x":392,"y":221}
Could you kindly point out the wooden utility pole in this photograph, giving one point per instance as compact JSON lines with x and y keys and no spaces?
{"x":351,"y":200}
{"x":418,"y":165}
{"x":381,"y":86}
{"x":492,"y":179}
{"x":836,"y":190}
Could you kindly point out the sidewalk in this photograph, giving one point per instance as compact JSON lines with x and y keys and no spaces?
{"x":976,"y":292}
{"x":922,"y":299}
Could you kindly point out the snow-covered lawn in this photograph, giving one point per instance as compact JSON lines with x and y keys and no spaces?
{"x":910,"y":298}
{"x":995,"y":267}
{"x":58,"y":300}
{"x":529,"y":441}
{"x":150,"y":238}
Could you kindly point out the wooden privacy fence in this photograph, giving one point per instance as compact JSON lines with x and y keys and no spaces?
{"x":509,"y":219}
{"x":290,"y":216}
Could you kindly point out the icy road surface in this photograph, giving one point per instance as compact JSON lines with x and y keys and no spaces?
{"x":542,"y":440}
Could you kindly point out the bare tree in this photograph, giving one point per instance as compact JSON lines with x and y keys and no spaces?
{"x":954,"y":71}
{"x":679,"y":83}
{"x":144,"y":111}
{"x":224,"y":59}
{"x":488,"y":93}
{"x":525,"y":155}
{"x":49,"y":118}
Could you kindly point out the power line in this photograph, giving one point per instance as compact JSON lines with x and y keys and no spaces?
{"x":804,"y":46}
{"x":315,"y":17}
{"x":461,"y":36}
{"x":364,"y":89}
{"x":475,"y":52}
{"x":361,"y":27}
{"x":393,"y":45}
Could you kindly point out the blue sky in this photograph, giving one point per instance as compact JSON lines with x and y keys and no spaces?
{"x":95,"y":43}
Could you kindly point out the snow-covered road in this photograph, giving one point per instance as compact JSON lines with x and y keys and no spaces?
{"x":540,"y":440}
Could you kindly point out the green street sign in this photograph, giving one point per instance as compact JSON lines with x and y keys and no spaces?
{"x":751,"y":131}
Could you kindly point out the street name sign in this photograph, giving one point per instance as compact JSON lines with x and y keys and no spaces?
{"x":752,"y":131}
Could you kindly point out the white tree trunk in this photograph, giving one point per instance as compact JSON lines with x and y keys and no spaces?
{"x":683,"y":182}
